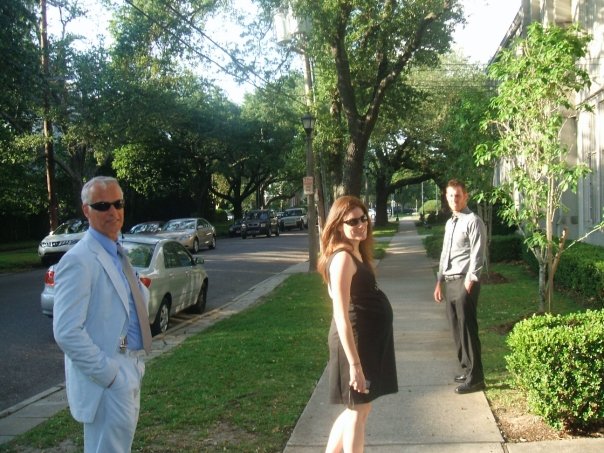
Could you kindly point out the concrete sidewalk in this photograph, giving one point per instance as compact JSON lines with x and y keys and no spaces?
{"x":425,"y":415}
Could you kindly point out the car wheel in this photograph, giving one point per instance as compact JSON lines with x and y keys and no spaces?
{"x":202,"y":299}
{"x":212,"y":243}
{"x":162,"y":318}
{"x":301,"y":226}
{"x":195,"y":245}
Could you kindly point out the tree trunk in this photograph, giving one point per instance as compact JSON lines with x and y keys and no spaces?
{"x":542,"y":286}
{"x":381,"y":201}
{"x":352,"y":176}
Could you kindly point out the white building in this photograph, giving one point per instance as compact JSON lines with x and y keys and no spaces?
{"x":583,"y":132}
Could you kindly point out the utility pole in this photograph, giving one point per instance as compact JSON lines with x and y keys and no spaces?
{"x":49,"y":156}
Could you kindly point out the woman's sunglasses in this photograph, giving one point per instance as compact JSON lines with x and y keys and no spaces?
{"x":354,"y":222}
{"x":105,"y":205}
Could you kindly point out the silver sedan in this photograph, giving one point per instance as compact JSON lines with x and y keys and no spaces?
{"x":191,"y":232}
{"x":176,"y":280}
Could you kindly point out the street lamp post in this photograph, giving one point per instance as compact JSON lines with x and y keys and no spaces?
{"x":308,"y":122}
{"x":292,"y":30}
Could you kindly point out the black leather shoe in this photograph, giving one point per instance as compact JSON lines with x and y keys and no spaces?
{"x":470,"y":388}
{"x":460,"y":378}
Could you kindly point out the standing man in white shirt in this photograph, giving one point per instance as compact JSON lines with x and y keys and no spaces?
{"x":461,"y":262}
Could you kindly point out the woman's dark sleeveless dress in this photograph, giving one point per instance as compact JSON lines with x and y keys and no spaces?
{"x":371,"y":318}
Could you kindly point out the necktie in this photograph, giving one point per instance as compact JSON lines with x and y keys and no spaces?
{"x":448,"y":258}
{"x":141,"y":311}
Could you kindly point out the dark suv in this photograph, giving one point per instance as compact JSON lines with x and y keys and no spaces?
{"x":259,"y":221}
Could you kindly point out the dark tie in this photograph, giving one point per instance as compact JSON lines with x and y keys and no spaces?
{"x":448,"y":260}
{"x":137,"y":295}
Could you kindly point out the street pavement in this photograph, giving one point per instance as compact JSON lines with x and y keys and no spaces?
{"x":425,"y":416}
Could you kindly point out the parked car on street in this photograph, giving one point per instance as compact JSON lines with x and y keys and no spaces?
{"x":176,"y":280}
{"x":259,"y":222}
{"x":235,"y":228}
{"x":150,"y":227}
{"x":191,"y":232}
{"x":54,"y":246}
{"x":293,"y":218}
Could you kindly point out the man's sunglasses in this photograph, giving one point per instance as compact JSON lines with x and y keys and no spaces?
{"x":105,"y":205}
{"x":356,"y":221}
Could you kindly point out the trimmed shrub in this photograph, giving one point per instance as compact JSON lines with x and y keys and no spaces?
{"x":581,"y":269}
{"x":505,"y":248}
{"x":558,"y":361}
{"x":433,"y":244}
{"x":502,"y":248}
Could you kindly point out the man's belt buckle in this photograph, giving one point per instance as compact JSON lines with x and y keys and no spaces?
{"x":449,"y":278}
{"x":123,"y":345}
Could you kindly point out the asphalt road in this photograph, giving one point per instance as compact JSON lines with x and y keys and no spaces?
{"x":31,"y":360}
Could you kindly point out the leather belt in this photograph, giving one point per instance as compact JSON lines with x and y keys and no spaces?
{"x":450,"y":278}
{"x":134,"y":353}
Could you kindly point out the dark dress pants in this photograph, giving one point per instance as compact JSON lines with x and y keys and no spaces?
{"x":462,"y":315}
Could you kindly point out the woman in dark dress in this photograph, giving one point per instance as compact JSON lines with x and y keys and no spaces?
{"x":361,"y":346}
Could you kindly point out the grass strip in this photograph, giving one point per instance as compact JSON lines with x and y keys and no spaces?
{"x":19,"y":260}
{"x":241,"y":385}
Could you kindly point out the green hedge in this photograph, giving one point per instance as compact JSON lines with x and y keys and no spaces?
{"x":505,"y":248}
{"x":502,"y":248}
{"x":557,"y":360}
{"x":581,"y":269}
{"x":433,"y":244}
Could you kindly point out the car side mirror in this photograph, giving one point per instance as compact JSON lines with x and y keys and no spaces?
{"x":198,"y":260}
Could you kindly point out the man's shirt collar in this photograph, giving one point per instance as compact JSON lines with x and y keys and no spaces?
{"x":107,"y":243}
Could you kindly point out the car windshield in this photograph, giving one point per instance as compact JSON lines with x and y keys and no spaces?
{"x":293,"y":212}
{"x":178,"y":225}
{"x":257,"y":215}
{"x":145,"y":228}
{"x":139,"y":254}
{"x":78,"y":226}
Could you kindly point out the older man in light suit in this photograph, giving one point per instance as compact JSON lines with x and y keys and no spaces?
{"x":101,"y":324}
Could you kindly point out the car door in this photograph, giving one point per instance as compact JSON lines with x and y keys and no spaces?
{"x":203,"y":232}
{"x":178,"y":275}
{"x":194,"y":277}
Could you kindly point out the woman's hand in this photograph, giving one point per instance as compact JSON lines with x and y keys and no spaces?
{"x":357,"y":379}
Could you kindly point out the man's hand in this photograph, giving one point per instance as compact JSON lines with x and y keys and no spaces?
{"x":438,"y":295}
{"x":468,"y":285}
